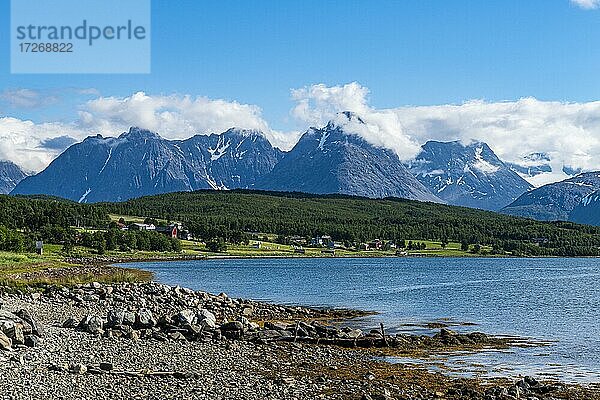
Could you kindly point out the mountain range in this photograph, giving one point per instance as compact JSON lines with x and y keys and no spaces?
{"x":557,"y":201}
{"x":330,"y":159}
{"x":467,"y":175}
{"x":140,"y":162}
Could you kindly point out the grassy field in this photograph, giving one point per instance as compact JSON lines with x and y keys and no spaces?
{"x":133,"y":219}
{"x":272,"y":249}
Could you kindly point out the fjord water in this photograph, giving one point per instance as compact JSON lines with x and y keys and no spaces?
{"x":554,"y":300}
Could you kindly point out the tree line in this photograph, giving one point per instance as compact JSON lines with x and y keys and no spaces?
{"x":228,"y":215}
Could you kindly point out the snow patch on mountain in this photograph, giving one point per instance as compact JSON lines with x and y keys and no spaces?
{"x":83,"y":196}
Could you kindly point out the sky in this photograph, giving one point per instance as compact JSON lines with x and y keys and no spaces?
{"x":520,"y":75}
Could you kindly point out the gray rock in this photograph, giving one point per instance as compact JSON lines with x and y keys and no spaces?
{"x":115,"y":317}
{"x":232,"y":326}
{"x":13,"y":330}
{"x":92,"y":324}
{"x":144,"y":319}
{"x":186,"y":317}
{"x":78,"y":369}
{"x":206,"y":319}
{"x":70,"y":323}
{"x":5,"y":342}
{"x":36,"y":328}
{"x":106,"y":366}
{"x":32,"y":341}
{"x":275,"y":326}
{"x":129,"y":318}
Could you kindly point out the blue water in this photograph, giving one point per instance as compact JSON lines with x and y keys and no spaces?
{"x":554,"y":300}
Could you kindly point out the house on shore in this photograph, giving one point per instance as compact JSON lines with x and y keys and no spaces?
{"x":142,"y":227}
{"x":175,"y":231}
{"x":171,"y":230}
{"x":324,"y":240}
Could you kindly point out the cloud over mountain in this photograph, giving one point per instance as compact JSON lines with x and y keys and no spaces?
{"x":33,"y":145}
{"x":174,"y":116}
{"x":569,"y":133}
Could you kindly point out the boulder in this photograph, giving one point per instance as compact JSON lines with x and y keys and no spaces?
{"x":233,"y":330}
{"x":129,"y":318}
{"x":36,"y":328}
{"x":268,"y":334}
{"x":115,"y":317}
{"x":5,"y":342}
{"x":78,"y":368}
{"x":144,"y":319}
{"x":31,"y":340}
{"x":275,"y":326}
{"x":92,"y":324}
{"x":13,"y":330}
{"x":206,"y":319}
{"x":247,"y":311}
{"x":70,"y":323}
{"x":106,"y":366}
{"x":232,"y":326}
{"x":186,"y":317}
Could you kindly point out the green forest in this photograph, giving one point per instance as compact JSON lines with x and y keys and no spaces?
{"x":231,"y":214}
{"x":24,"y":220}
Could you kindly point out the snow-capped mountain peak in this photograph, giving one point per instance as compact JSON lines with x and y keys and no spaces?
{"x":468,"y":175}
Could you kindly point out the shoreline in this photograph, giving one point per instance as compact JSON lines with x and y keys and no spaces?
{"x":125,"y":260}
{"x":25,"y":269}
{"x":266,"y":360}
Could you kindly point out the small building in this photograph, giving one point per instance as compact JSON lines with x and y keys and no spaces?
{"x":328,"y":251}
{"x":316,"y":241}
{"x":299,"y":250}
{"x":171,"y":230}
{"x":324,"y":240}
{"x":376,"y":244}
{"x":184,"y":234}
{"x":142,"y":227}
{"x":297,"y":240}
{"x":256,"y":245}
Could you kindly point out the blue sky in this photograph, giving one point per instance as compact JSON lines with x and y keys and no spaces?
{"x":406,"y":52}
{"x":523,"y":75}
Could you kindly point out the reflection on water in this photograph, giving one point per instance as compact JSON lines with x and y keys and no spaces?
{"x":546,"y":299}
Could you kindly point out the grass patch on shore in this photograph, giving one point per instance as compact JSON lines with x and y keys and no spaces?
{"x":29,"y":269}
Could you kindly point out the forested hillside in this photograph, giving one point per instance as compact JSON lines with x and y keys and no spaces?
{"x":211,"y":214}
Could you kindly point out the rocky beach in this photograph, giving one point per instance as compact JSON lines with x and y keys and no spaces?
{"x":153,"y":341}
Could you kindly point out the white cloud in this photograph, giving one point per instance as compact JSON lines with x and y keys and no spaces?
{"x":318,"y":104}
{"x":568,"y":132}
{"x":26,"y":98}
{"x":175,"y":116}
{"x":21,"y":141}
{"x":586,"y":4}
